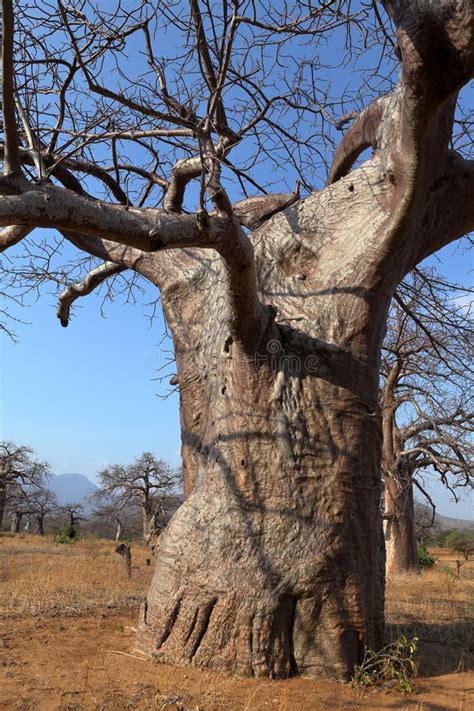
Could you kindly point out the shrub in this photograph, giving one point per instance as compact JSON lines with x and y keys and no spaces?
{"x":460,"y":542}
{"x":67,"y":534}
{"x":394,"y":665}
{"x":424,"y":558}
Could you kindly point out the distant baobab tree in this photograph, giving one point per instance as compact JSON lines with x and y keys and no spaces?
{"x":148,"y":483}
{"x":20,"y":475}
{"x":426,"y":399}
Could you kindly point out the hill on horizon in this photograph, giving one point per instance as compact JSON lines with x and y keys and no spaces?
{"x":72,"y":488}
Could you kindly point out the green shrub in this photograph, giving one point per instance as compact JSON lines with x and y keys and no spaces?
{"x":67,"y":534}
{"x":424,"y":558}
{"x":394,"y":665}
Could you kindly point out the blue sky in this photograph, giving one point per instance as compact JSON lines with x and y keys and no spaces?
{"x":84,"y":396}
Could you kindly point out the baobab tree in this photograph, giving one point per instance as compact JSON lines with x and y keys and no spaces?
{"x":148,"y":483}
{"x":74,"y":513}
{"x":17,"y":507}
{"x":426,"y":401}
{"x":277,"y":304}
{"x":42,"y":502}
{"x":20,"y":473}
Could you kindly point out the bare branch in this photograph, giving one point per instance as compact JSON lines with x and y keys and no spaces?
{"x":95,"y":277}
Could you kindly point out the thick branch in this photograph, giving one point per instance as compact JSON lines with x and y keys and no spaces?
{"x":435,"y":40}
{"x":436,"y":46}
{"x":11,"y":235}
{"x":147,"y":229}
{"x":449,"y":210}
{"x":11,"y":161}
{"x":95,"y":277}
{"x":360,"y":136}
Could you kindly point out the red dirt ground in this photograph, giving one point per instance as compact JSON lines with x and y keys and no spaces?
{"x":71,"y":664}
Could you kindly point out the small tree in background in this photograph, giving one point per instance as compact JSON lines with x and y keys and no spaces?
{"x":461,"y":542}
{"x":42,"y":502}
{"x":426,"y":401}
{"x":20,"y":474}
{"x":74,"y":513}
{"x":123,"y":517}
{"x":149,"y":483}
{"x":17,"y":506}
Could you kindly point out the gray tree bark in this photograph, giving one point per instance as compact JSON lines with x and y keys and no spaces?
{"x":16,"y":521}
{"x":400,"y":533}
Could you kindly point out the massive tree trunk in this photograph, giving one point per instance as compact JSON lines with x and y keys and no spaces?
{"x":275,"y":563}
{"x":400,"y":535}
{"x":399,"y":518}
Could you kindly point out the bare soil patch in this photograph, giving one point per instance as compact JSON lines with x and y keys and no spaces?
{"x":67,"y":629}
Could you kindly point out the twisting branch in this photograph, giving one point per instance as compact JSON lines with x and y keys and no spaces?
{"x":73,"y":292}
{"x":428,"y":498}
{"x":183,"y":172}
{"x":361,"y":135}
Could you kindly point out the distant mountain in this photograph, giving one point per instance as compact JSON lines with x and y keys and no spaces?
{"x":72,"y":488}
{"x":443,"y":523}
{"x":446,"y":523}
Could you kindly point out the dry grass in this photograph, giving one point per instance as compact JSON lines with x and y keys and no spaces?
{"x":438,"y":607}
{"x":437,"y":596}
{"x":41,"y":577}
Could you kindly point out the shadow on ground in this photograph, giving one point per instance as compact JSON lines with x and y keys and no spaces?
{"x":443,"y":648}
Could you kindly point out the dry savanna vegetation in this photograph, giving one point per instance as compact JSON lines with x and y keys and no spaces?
{"x":68,"y":614}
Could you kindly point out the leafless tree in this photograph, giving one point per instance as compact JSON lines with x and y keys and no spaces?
{"x":20,"y":474}
{"x":426,"y":526}
{"x":17,"y":507}
{"x":74,"y":513}
{"x":148,"y":483}
{"x":426,"y":400}
{"x":42,"y":502}
{"x":277,"y":304}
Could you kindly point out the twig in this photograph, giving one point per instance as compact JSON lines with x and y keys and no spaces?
{"x":125,"y":654}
